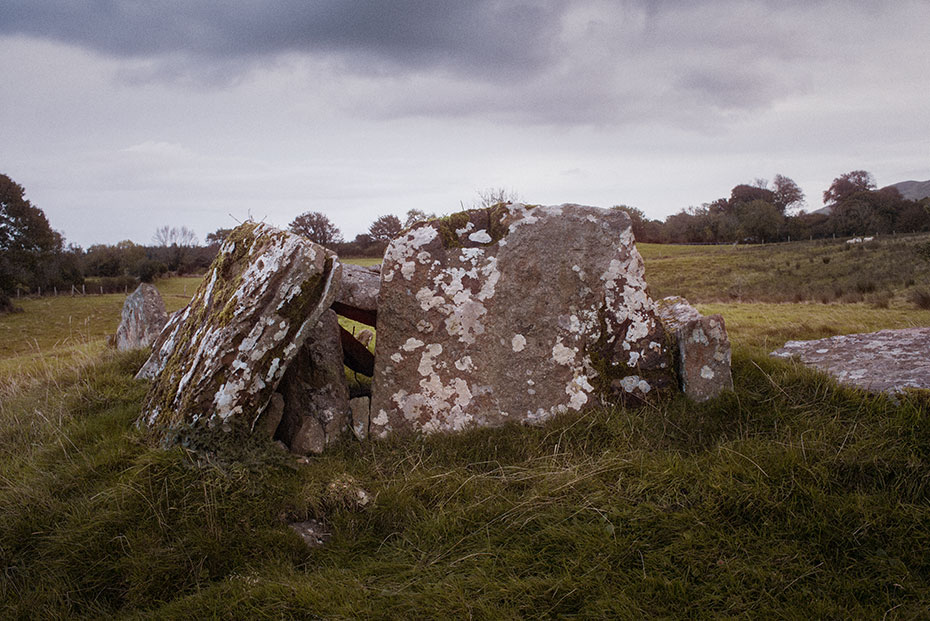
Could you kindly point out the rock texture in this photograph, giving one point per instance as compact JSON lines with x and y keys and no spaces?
{"x":703,"y":349}
{"x":513,"y":313}
{"x":357,"y":298}
{"x":143,"y":318}
{"x":361,"y":409}
{"x":216,"y":364}
{"x":314,"y":390}
{"x":886,"y":361}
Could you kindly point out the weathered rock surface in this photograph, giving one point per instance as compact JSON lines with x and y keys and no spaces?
{"x":357,"y":298}
{"x":361,"y":410}
{"x":703,"y":349}
{"x":886,"y":361}
{"x":143,"y":318}
{"x":513,"y":313}
{"x":218,"y":362}
{"x":316,"y":397}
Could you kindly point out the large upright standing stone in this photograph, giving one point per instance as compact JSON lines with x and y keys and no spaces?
{"x":703,"y":348}
{"x":513,"y":313}
{"x":216,"y":364}
{"x":142,"y":320}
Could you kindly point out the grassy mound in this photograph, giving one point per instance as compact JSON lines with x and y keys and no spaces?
{"x":789,"y":494}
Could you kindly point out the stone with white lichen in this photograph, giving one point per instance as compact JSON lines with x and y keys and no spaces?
{"x":703,"y":348}
{"x":513,"y":313}
{"x":889,"y":361}
{"x":217,"y":363}
{"x":142,"y":319}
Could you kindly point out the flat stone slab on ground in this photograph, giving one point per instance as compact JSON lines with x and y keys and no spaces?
{"x":884,"y":361}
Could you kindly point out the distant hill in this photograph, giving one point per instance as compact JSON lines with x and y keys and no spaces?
{"x":912,"y":190}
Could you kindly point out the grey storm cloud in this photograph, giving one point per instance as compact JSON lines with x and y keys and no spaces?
{"x":590,"y":61}
{"x":464,"y":36}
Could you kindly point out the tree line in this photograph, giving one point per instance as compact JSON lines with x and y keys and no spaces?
{"x":33,"y":256}
{"x":762,"y":212}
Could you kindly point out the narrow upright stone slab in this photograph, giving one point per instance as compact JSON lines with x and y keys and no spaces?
{"x":703,"y":349}
{"x":316,"y":396}
{"x":513,"y":313}
{"x":218,"y":362}
{"x":142,"y":320}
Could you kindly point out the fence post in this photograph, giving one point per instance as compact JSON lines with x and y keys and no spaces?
{"x":83,"y":289}
{"x":56,"y":290}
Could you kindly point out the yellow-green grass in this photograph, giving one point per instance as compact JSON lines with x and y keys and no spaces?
{"x":56,"y":332}
{"x":766,"y":326}
{"x":884,"y":272}
{"x":364,"y":261}
{"x":791,"y":497}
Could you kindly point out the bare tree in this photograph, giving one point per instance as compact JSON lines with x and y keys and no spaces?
{"x":316,"y":227}
{"x":494,"y":196}
{"x":173,"y":236}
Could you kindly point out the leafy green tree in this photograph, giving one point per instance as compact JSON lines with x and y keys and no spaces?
{"x":759,"y":221}
{"x":218,"y":236}
{"x":787,"y":193}
{"x":848,"y":184}
{"x":417,"y":215}
{"x":26,"y":241}
{"x":316,"y":227}
{"x":385,"y":228}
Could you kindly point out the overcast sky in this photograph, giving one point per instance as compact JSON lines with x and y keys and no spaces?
{"x":119,"y":116}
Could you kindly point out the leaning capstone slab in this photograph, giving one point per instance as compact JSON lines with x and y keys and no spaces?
{"x":217,"y":364}
{"x":703,"y":349}
{"x":316,"y":409}
{"x":887,"y":361}
{"x":143,"y":318}
{"x":513,"y":313}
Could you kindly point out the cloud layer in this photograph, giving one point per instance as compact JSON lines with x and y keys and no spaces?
{"x":125,"y":115}
{"x":538,"y":62}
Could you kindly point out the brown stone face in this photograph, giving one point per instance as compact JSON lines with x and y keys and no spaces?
{"x":316,"y":398}
{"x":142,"y":320}
{"x":217,"y":363}
{"x":513,"y":313}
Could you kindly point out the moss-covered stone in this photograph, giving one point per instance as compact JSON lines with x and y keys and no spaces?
{"x":216,"y":368}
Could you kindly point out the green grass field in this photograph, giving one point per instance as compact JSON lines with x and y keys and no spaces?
{"x":790,"y":497}
{"x":885,"y":272}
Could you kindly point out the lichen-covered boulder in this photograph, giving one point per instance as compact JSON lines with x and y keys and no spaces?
{"x":142,"y":320}
{"x":703,"y":349}
{"x":316,"y":409}
{"x":513,"y":313}
{"x":217,"y":363}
